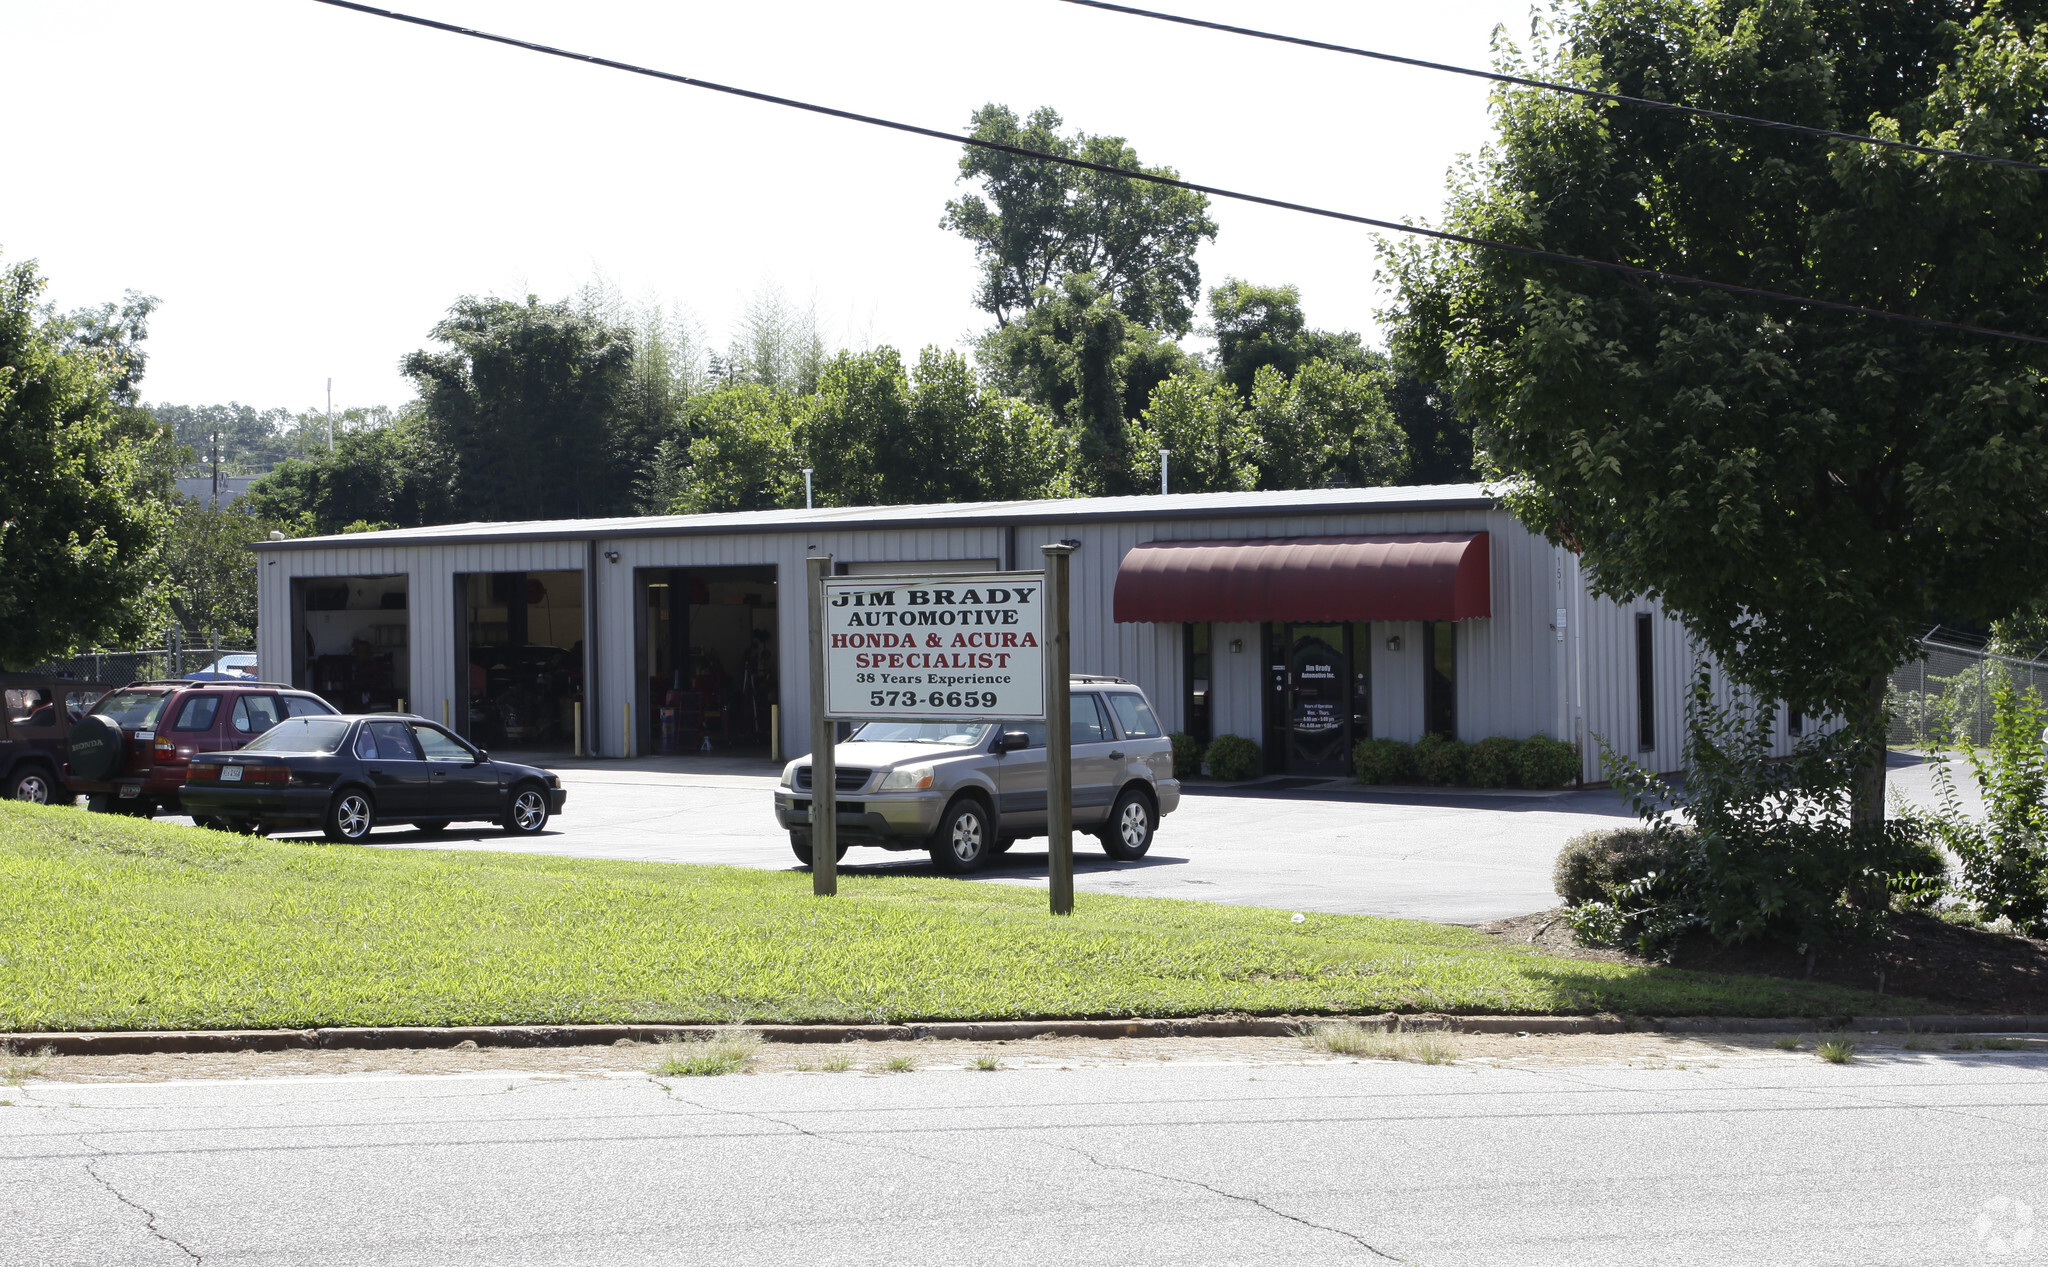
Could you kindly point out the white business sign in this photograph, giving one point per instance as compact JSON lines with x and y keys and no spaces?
{"x":935,"y":648}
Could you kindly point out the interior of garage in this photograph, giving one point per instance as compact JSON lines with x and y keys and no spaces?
{"x":351,"y":640}
{"x":520,"y":647}
{"x":706,"y":645}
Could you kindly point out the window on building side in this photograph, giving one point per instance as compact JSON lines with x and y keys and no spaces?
{"x":1646,"y":683}
{"x":1440,"y":678}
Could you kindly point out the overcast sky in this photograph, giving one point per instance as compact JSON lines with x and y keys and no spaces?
{"x":307,"y":189}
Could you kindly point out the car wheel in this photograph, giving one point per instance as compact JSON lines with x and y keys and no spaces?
{"x":33,"y":785}
{"x":529,"y":811}
{"x":431,"y":826}
{"x":965,"y":840}
{"x":1128,"y":833}
{"x":800,"y":845}
{"x":210,"y":823}
{"x":1002,"y":844}
{"x":350,"y":816}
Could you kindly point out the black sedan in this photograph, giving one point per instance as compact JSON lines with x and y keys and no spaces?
{"x":348,"y":774}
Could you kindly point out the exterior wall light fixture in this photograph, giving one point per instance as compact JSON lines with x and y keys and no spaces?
{"x":611,"y":556}
{"x":1394,"y":643}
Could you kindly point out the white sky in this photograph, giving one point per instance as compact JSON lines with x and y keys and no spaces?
{"x":307,"y":189}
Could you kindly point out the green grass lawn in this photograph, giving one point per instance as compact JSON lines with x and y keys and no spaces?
{"x":109,"y":922}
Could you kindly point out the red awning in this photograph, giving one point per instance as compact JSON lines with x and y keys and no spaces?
{"x":1421,"y":576}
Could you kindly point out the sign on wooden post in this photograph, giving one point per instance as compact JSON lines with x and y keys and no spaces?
{"x":824,"y":744}
{"x":1059,"y":735}
{"x":935,"y":648}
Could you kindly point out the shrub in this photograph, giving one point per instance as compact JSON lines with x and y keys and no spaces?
{"x":1755,"y":847}
{"x":1187,"y":756}
{"x":1593,"y":865}
{"x":2002,"y":855}
{"x":1440,"y":760}
{"x":1233,"y":757}
{"x":1491,"y":762}
{"x":1383,"y":761}
{"x":1545,"y":762}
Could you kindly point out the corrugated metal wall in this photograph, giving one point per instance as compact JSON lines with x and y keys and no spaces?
{"x":1516,"y":675}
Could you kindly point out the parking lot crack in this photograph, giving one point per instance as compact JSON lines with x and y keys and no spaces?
{"x":1227,"y":1195}
{"x":149,"y":1216}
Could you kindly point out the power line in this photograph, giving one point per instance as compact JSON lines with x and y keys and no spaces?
{"x":1593,"y":93}
{"x":1213,"y":191}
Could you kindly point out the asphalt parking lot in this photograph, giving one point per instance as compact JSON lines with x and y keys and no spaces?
{"x":1450,"y":855}
{"x":1456,"y":857}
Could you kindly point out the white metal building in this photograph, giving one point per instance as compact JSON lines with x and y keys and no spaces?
{"x":1301,"y":620}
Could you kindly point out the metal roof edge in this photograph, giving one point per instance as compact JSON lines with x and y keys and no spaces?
{"x":1040,"y":512}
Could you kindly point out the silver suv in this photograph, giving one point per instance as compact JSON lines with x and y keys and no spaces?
{"x":967,"y":791}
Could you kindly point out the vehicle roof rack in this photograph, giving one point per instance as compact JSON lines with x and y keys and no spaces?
{"x":179,"y":681}
{"x":1097,"y":679}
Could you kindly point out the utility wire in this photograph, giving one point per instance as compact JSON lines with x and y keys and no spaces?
{"x":1593,"y":93}
{"x":1213,"y":191}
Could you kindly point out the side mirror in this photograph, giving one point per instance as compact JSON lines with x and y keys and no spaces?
{"x":1012,"y":741}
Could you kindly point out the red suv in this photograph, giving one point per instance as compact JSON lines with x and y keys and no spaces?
{"x":129,"y":753}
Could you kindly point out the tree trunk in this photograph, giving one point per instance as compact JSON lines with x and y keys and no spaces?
{"x":1866,"y":795}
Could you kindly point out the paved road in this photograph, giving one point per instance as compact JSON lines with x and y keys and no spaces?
{"x":1907,"y":1160}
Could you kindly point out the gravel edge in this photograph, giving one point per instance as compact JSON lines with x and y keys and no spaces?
{"x":152,"y":1042}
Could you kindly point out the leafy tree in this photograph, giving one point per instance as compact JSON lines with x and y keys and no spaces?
{"x":1439,"y":438}
{"x":528,"y":401}
{"x":81,"y":508}
{"x":115,"y":331}
{"x":209,"y":575}
{"x":1043,"y":221}
{"x":1801,"y":487}
{"x":1325,"y":426}
{"x":1199,"y":420}
{"x":1258,"y":326}
{"x":397,"y":474}
{"x":880,"y":436}
{"x":743,"y":455}
{"x":1091,"y":366}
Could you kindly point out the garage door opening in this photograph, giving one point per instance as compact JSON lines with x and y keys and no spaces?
{"x":706,"y":650}
{"x":351,"y":640}
{"x":520,"y":650}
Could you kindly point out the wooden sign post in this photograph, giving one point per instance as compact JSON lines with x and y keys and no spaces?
{"x":824,"y":746}
{"x":1059,"y":734}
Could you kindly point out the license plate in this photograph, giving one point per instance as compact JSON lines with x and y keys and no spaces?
{"x":130,"y":789}
{"x":231,"y":774}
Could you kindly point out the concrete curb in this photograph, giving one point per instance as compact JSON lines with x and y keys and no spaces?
{"x":153,"y":1042}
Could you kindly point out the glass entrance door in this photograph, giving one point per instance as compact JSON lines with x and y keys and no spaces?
{"x":1318,"y":700}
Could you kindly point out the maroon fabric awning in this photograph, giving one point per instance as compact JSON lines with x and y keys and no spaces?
{"x":1420,"y":576}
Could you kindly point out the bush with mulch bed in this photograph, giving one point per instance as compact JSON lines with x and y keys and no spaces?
{"x":1921,"y":957}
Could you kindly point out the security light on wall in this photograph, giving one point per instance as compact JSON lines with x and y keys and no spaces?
{"x":1394,"y":643}
{"x":611,"y":556}
{"x":1237,"y":644}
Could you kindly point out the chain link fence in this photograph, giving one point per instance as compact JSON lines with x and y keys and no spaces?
{"x":1950,"y":684}
{"x":145,"y":664}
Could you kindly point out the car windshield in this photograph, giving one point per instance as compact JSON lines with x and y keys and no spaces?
{"x":133,"y":710}
{"x":950,"y":734}
{"x":300,"y":734}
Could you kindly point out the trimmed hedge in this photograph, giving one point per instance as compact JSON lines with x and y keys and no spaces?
{"x":1595,"y":863}
{"x":1383,"y":761}
{"x":1233,"y":757}
{"x":1187,"y":756}
{"x":1491,"y":762}
{"x":1497,"y":761}
{"x":1545,"y":762}
{"x":1440,"y":760}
